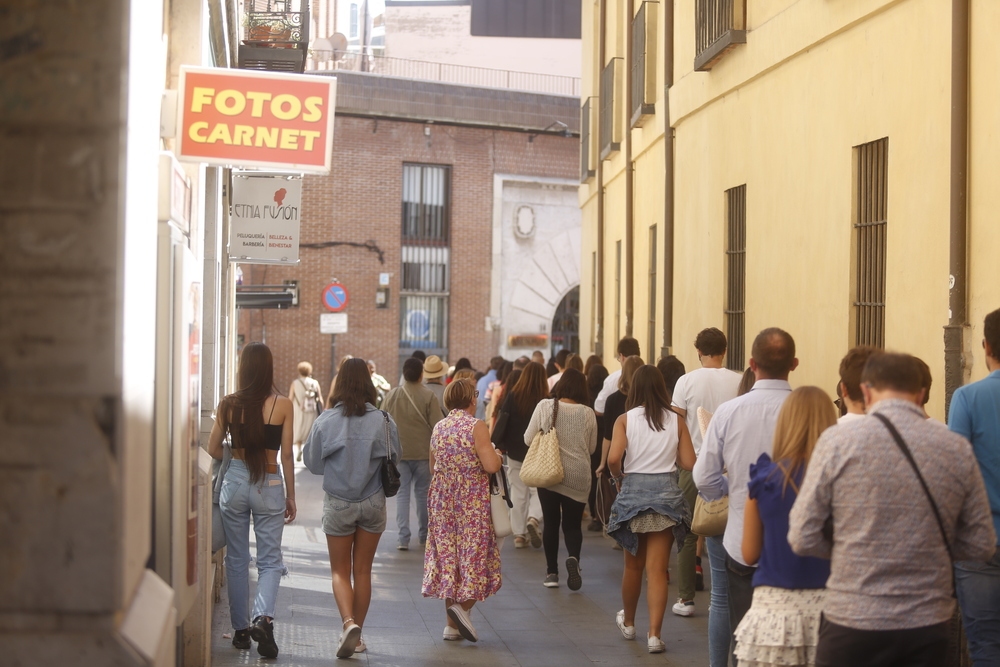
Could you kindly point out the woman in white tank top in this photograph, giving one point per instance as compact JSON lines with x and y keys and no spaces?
{"x":650,"y":514}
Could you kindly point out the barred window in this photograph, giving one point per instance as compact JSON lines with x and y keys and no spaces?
{"x":425,"y":256}
{"x":736,"y":276}
{"x":869,"y":243}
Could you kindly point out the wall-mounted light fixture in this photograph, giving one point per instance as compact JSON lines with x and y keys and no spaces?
{"x":561,"y":129}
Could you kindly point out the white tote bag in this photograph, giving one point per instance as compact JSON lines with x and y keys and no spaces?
{"x":500,"y":503}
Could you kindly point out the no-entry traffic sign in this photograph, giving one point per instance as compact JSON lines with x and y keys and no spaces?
{"x":335,"y":297}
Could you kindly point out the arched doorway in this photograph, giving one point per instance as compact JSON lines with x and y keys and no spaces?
{"x":566,"y":324}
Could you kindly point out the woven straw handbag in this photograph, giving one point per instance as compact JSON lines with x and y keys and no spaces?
{"x":709,"y":518}
{"x":542,"y":465}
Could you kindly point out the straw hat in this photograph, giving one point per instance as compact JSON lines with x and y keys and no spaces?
{"x":433,"y":368}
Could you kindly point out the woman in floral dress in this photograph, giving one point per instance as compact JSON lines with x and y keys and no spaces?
{"x":462,"y":558}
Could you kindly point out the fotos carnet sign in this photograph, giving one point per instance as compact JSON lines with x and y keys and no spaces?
{"x":246,"y":118}
{"x":265,"y":221}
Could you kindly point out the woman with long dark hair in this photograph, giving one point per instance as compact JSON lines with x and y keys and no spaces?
{"x":347,"y":445}
{"x":519,"y":402}
{"x":650,"y":513}
{"x":259,"y":423}
{"x":563,"y":503}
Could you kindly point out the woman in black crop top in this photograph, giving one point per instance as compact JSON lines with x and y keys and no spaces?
{"x":259,"y":423}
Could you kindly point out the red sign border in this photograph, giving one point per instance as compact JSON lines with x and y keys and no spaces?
{"x":347,"y":297}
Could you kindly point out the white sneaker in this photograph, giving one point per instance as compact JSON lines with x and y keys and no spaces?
{"x":655,"y":644}
{"x":628,"y":631}
{"x":683,"y":608}
{"x":348,"y":641}
{"x":451,"y":634}
{"x":463,"y":621}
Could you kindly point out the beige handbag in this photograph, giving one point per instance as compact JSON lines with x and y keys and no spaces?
{"x":542,"y":466}
{"x":709,"y":518}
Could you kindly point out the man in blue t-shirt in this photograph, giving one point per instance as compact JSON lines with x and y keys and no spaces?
{"x":975,"y":414}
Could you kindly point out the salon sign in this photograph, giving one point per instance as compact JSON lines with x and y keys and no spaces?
{"x":264,"y":227}
{"x":245,"y":118}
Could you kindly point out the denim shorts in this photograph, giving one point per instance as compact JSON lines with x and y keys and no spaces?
{"x":342,"y":517}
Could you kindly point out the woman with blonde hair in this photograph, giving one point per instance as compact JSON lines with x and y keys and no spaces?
{"x":782,"y":626}
{"x":304,"y":394}
{"x":462,"y":558}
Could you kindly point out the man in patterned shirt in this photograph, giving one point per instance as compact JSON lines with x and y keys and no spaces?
{"x":890,"y":592}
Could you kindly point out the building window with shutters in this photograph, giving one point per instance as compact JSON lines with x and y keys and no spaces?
{"x":869,"y":243}
{"x":610,"y":115}
{"x":642,"y":60}
{"x":425,"y":254}
{"x":736,"y":276}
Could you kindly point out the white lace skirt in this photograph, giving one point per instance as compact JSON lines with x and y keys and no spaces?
{"x":781,"y":628}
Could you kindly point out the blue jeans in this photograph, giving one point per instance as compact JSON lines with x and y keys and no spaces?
{"x":719,"y":633}
{"x":419,"y":473}
{"x":978,"y":586}
{"x":265,"y":501}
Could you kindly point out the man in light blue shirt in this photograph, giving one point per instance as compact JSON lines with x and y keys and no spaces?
{"x":484,"y":384}
{"x":740,"y":431}
{"x":975,"y":414}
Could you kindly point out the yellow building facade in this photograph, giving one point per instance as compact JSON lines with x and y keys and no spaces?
{"x":813,"y":176}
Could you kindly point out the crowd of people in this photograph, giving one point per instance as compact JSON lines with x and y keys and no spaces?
{"x":846,"y":532}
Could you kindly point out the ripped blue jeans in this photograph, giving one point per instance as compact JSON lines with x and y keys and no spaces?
{"x":265,"y":502}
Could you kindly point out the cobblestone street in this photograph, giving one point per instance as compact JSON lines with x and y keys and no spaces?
{"x":524,"y":624}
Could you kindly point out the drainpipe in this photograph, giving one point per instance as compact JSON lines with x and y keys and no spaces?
{"x":668,"y":183}
{"x":955,"y":362}
{"x":599,"y":334}
{"x":629,"y":194}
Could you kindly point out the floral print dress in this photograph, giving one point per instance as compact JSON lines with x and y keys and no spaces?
{"x":462,"y":560}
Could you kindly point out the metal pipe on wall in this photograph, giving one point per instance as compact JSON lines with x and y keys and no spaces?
{"x":955,"y":363}
{"x":599,"y":333}
{"x":668,"y":183}
{"x":629,"y":176}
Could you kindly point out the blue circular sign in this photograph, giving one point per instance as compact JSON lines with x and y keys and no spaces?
{"x":335,"y":297}
{"x":418,"y":325}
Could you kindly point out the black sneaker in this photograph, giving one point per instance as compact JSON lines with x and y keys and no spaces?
{"x":262,"y":632}
{"x":241,"y":639}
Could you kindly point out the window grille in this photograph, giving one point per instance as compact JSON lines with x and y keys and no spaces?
{"x":870,"y":225}
{"x":651,"y":336}
{"x":720,"y":25}
{"x":643,"y":63}
{"x":588,"y":161}
{"x":609,"y":120}
{"x":736,"y":275}
{"x":426,"y":259}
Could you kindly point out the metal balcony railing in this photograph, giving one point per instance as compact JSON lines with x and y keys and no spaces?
{"x":447,"y":73}
{"x":720,"y":25}
{"x":275,"y":40}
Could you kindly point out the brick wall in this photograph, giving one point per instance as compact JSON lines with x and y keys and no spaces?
{"x":361,"y":200}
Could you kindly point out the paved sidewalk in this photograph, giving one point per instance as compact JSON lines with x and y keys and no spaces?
{"x":524,"y":624}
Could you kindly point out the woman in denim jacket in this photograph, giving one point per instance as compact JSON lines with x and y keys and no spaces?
{"x":347,"y":445}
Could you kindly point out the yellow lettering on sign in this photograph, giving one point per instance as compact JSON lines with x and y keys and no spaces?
{"x":243,"y":135}
{"x":290,"y":139}
{"x":220,"y":133}
{"x":200,"y":97}
{"x":266,"y":137}
{"x":313,"y":109}
{"x":278,"y":110}
{"x":309,"y":136}
{"x":193,"y":131}
{"x":257,"y":100}
{"x":230,"y":102}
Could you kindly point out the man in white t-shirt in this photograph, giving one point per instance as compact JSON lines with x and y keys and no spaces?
{"x":707,"y":387}
{"x":627,"y":346}
{"x":849,"y":388}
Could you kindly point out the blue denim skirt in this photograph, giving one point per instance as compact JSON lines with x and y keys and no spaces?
{"x":639,"y":493}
